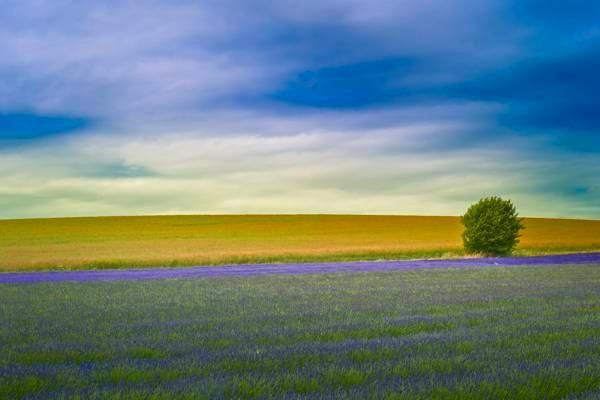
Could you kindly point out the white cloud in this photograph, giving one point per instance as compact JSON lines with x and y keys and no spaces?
{"x":301,"y":169}
{"x":131,"y":59}
{"x":168,"y":81}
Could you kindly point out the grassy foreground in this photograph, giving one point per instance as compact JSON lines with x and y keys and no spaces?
{"x":114,"y":242}
{"x":490,"y":333}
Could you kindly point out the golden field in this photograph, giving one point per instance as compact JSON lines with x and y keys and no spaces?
{"x":115,"y":242}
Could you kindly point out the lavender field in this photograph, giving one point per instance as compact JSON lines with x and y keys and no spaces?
{"x":503,"y":333}
{"x":291,"y":268}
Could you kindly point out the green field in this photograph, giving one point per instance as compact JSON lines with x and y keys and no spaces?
{"x":114,"y":242}
{"x":489,"y":333}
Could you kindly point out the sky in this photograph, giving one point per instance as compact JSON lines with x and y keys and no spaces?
{"x":316,"y":106}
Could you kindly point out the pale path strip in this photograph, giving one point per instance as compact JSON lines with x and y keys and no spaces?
{"x":292,"y":268}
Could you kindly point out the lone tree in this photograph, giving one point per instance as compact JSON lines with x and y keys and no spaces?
{"x":492,"y":227}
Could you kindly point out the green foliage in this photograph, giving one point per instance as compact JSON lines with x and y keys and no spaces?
{"x":492,"y":227}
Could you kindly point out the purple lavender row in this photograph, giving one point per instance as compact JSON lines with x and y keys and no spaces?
{"x":292,"y":268}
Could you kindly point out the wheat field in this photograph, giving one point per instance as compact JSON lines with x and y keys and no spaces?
{"x":115,"y":242}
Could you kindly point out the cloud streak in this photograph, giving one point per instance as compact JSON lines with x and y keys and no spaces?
{"x":411,"y":107}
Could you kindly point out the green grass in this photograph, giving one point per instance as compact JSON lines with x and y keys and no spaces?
{"x":502,"y":333}
{"x":118,"y":242}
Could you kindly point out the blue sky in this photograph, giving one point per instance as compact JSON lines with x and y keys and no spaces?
{"x":328,"y":106}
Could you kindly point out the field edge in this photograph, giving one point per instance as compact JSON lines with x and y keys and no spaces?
{"x":282,"y":259}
